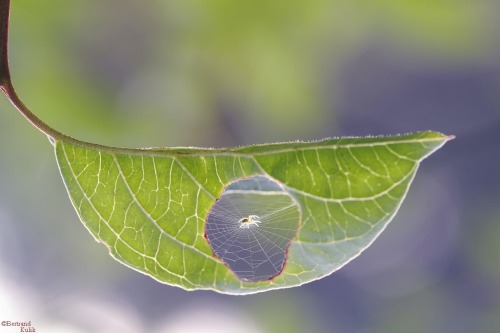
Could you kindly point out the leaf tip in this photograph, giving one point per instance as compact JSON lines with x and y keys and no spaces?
{"x":450,"y":137}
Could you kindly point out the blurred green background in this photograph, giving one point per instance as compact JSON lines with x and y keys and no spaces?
{"x":215,"y":73}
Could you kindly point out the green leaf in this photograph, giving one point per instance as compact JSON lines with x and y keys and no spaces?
{"x":303,"y":209}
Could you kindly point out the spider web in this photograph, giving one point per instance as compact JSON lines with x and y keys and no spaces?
{"x":258,"y":252}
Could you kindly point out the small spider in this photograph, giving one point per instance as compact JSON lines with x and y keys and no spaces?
{"x":247,"y":222}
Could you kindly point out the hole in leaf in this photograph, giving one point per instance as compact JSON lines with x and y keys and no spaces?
{"x":251,"y":226}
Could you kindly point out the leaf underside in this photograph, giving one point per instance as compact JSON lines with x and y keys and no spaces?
{"x":149,"y":207}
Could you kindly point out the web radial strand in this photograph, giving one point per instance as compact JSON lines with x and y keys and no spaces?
{"x":251,"y":226}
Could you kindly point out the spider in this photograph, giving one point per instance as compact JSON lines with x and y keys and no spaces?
{"x":247,"y":222}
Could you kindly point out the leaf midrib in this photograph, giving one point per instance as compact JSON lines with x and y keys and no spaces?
{"x":237,"y":151}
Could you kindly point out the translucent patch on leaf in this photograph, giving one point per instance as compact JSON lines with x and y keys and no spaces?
{"x":250,"y":227}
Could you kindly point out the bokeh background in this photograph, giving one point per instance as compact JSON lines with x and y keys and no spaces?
{"x":215,"y":73}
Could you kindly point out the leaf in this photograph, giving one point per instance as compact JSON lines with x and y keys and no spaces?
{"x":150,"y":207}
